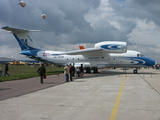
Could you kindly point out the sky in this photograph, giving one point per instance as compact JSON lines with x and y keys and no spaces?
{"x":71,"y":23}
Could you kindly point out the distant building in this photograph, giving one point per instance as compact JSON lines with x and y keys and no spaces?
{"x":6,"y":60}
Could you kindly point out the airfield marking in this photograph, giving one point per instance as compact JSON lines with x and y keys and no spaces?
{"x":115,"y":108}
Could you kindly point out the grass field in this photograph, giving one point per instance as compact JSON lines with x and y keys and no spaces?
{"x":26,"y":71}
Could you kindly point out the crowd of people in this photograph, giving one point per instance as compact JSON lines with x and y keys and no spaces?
{"x":70,"y":71}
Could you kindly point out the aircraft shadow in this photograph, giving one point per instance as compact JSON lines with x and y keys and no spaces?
{"x":5,"y":89}
{"x":113,"y":73}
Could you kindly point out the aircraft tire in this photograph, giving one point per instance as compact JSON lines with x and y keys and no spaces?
{"x":92,"y":71}
{"x":135,"y":71}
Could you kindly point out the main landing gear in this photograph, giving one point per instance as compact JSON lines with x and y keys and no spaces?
{"x":90,"y":70}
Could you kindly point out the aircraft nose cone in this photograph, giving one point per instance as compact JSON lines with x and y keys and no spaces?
{"x":151,"y":62}
{"x":155,"y":63}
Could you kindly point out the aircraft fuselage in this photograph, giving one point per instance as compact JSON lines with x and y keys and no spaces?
{"x":102,"y":60}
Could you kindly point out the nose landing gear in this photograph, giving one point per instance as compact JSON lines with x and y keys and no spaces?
{"x":135,"y":71}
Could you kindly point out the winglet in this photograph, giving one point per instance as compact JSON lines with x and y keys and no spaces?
{"x":81,"y":47}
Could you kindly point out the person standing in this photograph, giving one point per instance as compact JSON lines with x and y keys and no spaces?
{"x":70,"y":72}
{"x":6,"y":69}
{"x":66,"y":72}
{"x":81,"y":70}
{"x":73,"y":70}
{"x":42,"y":72}
{"x":0,"y":72}
{"x":77,"y":72}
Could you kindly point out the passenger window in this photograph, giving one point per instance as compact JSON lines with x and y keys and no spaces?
{"x":137,"y":55}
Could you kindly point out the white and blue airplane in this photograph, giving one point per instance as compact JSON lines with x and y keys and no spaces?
{"x":104,"y":54}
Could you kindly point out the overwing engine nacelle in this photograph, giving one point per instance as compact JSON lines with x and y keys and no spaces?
{"x":112,"y":46}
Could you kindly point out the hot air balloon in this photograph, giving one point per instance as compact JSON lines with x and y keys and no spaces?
{"x":43,"y":16}
{"x":22,"y":3}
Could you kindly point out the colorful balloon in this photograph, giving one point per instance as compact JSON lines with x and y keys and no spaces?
{"x":43,"y":16}
{"x":22,"y":3}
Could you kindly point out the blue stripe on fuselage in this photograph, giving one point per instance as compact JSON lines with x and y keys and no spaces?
{"x":141,"y":61}
{"x":30,"y":52}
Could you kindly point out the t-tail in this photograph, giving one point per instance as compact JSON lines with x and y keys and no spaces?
{"x":24,"y":38}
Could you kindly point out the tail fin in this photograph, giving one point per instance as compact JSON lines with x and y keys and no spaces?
{"x":24,"y":38}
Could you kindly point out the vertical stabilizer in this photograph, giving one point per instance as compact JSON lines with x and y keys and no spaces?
{"x":24,"y":38}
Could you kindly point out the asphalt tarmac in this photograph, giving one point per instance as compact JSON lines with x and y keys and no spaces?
{"x":109,"y":95}
{"x":16,"y":88}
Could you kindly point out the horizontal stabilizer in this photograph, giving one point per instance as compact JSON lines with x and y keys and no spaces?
{"x":15,"y":30}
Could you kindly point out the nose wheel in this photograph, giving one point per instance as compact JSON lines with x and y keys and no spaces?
{"x":135,"y":71}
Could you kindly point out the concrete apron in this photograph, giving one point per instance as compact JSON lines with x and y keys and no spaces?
{"x":111,"y":96}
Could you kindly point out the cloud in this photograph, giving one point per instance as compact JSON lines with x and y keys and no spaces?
{"x":75,"y":22}
{"x":141,"y":9}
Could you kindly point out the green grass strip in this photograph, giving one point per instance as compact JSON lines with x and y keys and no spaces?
{"x":26,"y":71}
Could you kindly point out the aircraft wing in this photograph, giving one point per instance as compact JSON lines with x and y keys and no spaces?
{"x":83,"y":51}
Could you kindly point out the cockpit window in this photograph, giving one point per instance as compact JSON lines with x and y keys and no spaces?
{"x":140,"y":55}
